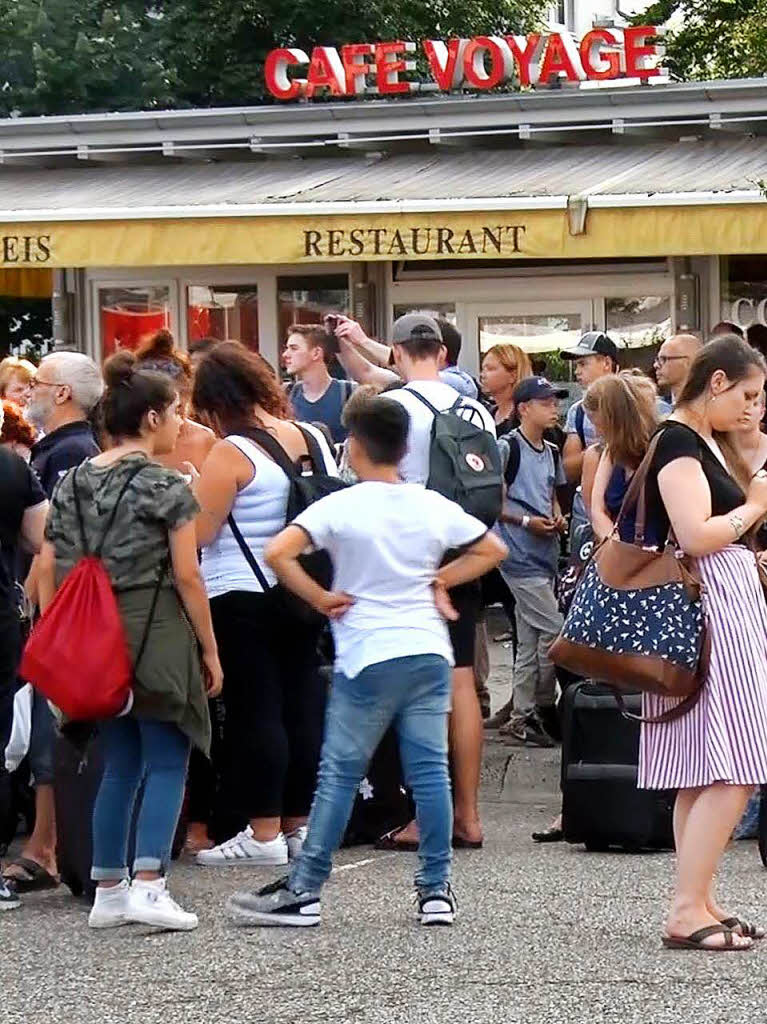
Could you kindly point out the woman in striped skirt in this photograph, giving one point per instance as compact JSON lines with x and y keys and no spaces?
{"x":716,"y":753}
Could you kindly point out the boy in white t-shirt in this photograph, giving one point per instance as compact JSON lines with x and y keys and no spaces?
{"x":393,"y":655}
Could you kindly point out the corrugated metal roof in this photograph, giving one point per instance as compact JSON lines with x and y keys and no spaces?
{"x":493,"y":174}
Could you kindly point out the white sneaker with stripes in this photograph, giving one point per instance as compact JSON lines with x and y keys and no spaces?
{"x":244,"y":849}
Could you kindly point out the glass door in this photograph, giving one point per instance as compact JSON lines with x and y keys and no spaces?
{"x":542,"y":329}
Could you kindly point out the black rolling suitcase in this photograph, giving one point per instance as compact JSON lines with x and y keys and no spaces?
{"x":77,"y":776}
{"x":601,"y":805}
{"x":381,"y":804}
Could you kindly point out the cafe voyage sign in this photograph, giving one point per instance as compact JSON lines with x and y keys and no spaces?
{"x":481,"y":63}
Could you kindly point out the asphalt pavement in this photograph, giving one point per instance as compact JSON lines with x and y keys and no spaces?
{"x":543,"y":935}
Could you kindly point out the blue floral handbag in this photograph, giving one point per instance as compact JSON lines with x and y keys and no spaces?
{"x":636,"y":620}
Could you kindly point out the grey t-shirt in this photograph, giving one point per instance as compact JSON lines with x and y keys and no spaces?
{"x":532,"y":493}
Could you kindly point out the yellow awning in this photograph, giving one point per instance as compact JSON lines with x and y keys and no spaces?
{"x":645,"y":231}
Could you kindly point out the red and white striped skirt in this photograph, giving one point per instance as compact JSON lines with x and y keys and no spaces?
{"x":724,"y":737}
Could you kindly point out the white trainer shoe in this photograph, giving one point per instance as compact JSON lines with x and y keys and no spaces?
{"x":150,"y":903}
{"x":295,"y":841}
{"x":244,"y":849}
{"x":110,"y":907}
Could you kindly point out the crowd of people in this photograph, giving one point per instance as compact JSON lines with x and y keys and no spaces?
{"x":257,"y":531}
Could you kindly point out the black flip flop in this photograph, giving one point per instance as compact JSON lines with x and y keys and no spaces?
{"x":389,"y":842}
{"x":696,"y":940}
{"x":548,"y":835}
{"x":748,"y":931}
{"x":37,"y":878}
{"x":459,"y":843}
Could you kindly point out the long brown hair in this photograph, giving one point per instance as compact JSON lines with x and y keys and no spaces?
{"x":230,"y":382}
{"x":626,"y":404}
{"x":736,"y":359}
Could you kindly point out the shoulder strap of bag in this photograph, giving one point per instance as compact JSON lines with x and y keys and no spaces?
{"x":347,"y":387}
{"x":515,"y":457}
{"x":635,"y":496}
{"x":273,"y":448}
{"x":313,"y":449}
{"x":433,"y":409}
{"x":152,"y":609}
{"x":112,"y":515}
{"x":580,"y":420}
{"x":247,"y":554}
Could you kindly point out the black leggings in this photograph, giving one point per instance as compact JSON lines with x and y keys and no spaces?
{"x":274,"y":700}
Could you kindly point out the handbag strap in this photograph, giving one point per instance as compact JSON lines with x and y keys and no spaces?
{"x":152,"y":609}
{"x":247,"y":554}
{"x":636,"y":493}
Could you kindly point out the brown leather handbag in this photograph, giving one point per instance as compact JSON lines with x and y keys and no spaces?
{"x":636,"y":621}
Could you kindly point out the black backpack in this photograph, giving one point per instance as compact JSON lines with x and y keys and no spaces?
{"x":464,"y":461}
{"x":308,"y":483}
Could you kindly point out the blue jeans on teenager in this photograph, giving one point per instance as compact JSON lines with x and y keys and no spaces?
{"x":414,"y":694}
{"x":138,"y":750}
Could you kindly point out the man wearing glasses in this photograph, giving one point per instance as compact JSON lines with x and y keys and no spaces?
{"x":672,"y":364}
{"x":65,"y":392}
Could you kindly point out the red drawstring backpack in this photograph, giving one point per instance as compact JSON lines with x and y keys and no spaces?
{"x":77,"y":655}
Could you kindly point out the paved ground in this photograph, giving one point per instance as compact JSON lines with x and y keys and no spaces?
{"x":543,"y":935}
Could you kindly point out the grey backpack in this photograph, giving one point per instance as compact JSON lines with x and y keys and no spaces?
{"x":464,"y":461}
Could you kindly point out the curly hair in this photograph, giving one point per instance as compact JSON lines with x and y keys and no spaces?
{"x":230,"y":382}
{"x":15,"y":428}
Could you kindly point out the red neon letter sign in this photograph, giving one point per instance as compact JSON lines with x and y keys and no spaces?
{"x":637,"y":50}
{"x":276,"y":72}
{"x":326,"y":72}
{"x":446,"y":61}
{"x":356,"y":67}
{"x":501,"y":62}
{"x":591,"y":48}
{"x":389,"y":66}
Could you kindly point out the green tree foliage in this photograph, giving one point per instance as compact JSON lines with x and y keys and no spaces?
{"x":713,"y":38}
{"x":64,"y":56}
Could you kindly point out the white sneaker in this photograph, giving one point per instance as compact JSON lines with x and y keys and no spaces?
{"x":150,"y":903}
{"x":110,"y":907}
{"x":9,"y":899}
{"x":295,"y":841}
{"x":244,"y":849}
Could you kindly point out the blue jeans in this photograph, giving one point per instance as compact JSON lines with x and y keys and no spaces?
{"x":135,"y":751}
{"x":413,"y":694}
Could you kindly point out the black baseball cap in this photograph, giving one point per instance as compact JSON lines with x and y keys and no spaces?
{"x":594,"y":343}
{"x":414,"y":327}
{"x":537,"y":387}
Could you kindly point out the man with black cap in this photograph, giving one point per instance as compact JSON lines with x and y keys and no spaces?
{"x":530,"y":526}
{"x":417,"y":346}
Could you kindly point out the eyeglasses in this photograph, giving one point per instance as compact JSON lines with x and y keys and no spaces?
{"x":662,"y":360}
{"x":37,"y":383}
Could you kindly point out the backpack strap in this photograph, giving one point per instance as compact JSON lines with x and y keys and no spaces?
{"x":580,"y":424}
{"x":313,"y":449}
{"x":426,"y":401}
{"x":112,"y":515}
{"x":273,"y":448}
{"x":347,"y":387}
{"x":515,"y":457}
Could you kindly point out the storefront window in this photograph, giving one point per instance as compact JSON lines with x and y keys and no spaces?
{"x":228,"y":312}
{"x":547,"y":332}
{"x":744,"y":290}
{"x":639,"y":321}
{"x":306,"y":300}
{"x":129,"y":315}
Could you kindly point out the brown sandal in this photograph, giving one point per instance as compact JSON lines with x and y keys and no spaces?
{"x":696,"y":940}
{"x":748,"y":931}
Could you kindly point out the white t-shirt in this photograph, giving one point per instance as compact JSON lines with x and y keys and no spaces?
{"x":386,"y":542}
{"x":414,"y":468}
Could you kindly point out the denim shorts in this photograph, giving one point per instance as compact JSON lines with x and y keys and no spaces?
{"x":41,"y":741}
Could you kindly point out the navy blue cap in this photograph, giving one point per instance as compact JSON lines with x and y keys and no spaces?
{"x":537,"y":387}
